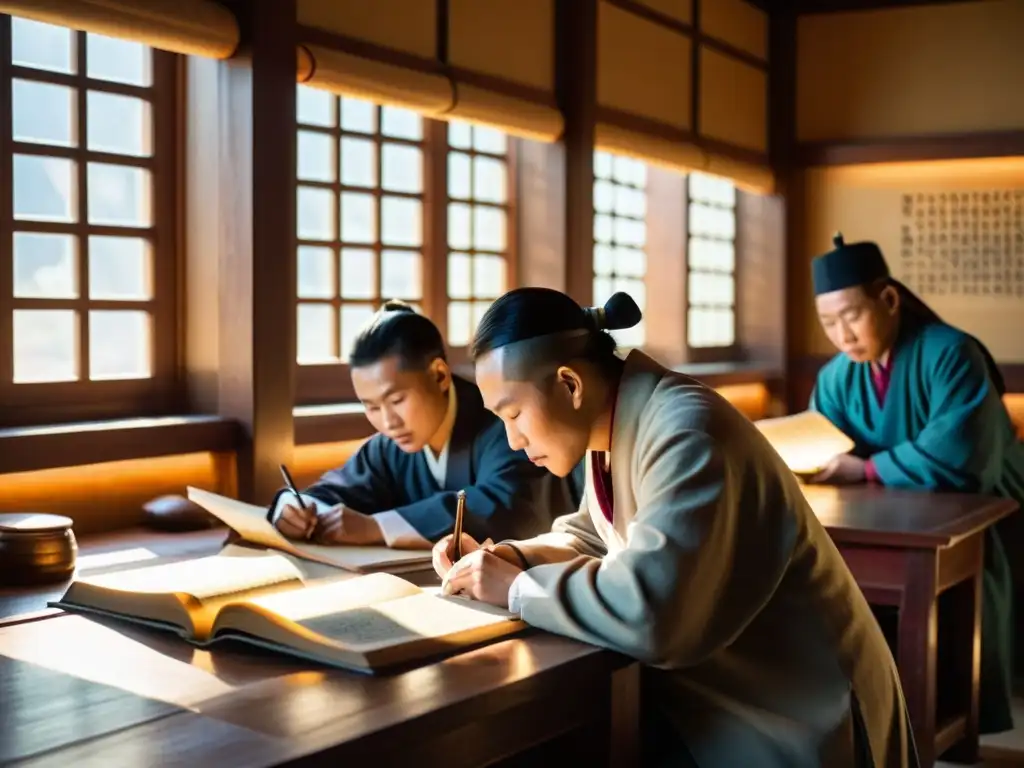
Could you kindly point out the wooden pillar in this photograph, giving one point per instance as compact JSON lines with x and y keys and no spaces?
{"x":240,"y":234}
{"x":541,"y":214}
{"x":576,"y":92}
{"x":666,"y":279}
{"x":781,"y":153}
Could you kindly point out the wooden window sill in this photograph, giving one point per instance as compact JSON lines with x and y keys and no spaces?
{"x":725,"y":374}
{"x":27,"y":449}
{"x":330,"y":423}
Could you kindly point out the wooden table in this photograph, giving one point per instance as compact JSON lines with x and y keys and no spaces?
{"x":907,"y":550}
{"x":84,"y":692}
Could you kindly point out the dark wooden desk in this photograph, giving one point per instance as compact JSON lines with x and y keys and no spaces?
{"x":907,"y":550}
{"x":93,"y":694}
{"x":105,"y":693}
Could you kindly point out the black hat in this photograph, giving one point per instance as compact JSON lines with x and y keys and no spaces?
{"x":848,"y":265}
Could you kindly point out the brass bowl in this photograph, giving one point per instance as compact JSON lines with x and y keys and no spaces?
{"x":36,"y":549}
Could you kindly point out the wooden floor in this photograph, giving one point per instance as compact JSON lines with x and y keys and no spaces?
{"x":1002,"y":750}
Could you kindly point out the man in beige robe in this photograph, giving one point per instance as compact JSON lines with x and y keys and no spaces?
{"x":760,"y":649}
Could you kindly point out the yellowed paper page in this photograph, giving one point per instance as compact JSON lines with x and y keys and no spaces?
{"x":336,"y":595}
{"x":401,"y":621}
{"x":805,"y":441}
{"x":204,"y":577}
{"x":366,"y":558}
{"x":250,"y":522}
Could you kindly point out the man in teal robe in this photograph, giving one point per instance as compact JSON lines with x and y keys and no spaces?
{"x":922,"y":402}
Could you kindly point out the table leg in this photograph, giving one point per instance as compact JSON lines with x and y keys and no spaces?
{"x":624,"y":733}
{"x":917,"y":638}
{"x":963,"y":675}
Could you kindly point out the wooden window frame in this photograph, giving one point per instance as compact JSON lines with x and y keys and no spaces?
{"x":330,"y":382}
{"x":730,"y":353}
{"x":56,"y":402}
{"x":613,"y":243}
{"x":459,"y":355}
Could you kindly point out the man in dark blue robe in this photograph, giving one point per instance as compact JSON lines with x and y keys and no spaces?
{"x":922,"y":402}
{"x":434,"y":438}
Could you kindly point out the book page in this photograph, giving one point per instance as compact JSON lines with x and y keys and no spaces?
{"x":247,"y":520}
{"x":403,"y":620}
{"x":202,"y":578}
{"x":356,"y":558}
{"x":335,"y":596}
{"x":806,"y":441}
{"x":250,"y":522}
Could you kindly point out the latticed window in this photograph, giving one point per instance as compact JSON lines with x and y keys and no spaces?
{"x":87,"y":220}
{"x":359,"y":217}
{"x":711,"y":261}
{"x":620,"y":234}
{"x":478,"y":225}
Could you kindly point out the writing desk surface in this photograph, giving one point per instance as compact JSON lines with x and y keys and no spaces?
{"x":875,"y":515}
{"x":271,"y":707}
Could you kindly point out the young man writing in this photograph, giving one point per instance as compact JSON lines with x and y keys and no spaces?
{"x":434,"y":438}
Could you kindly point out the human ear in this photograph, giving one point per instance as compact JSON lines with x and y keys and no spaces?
{"x":573,"y":384}
{"x":441,"y":374}
{"x":890,"y":299}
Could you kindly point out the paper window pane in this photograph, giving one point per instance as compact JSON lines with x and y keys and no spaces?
{"x":460,"y":276}
{"x":45,"y":345}
{"x":315,"y":214}
{"x":119,"y":345}
{"x":315,"y":159}
{"x":401,"y":275}
{"x":358,"y":273}
{"x":42,"y":113}
{"x":358,"y":218}
{"x":402,"y":168}
{"x":120,"y":125}
{"x":315,"y":107}
{"x":316,"y":273}
{"x":400,"y":123}
{"x":315,"y":333}
{"x":358,"y":162}
{"x":45,"y":266}
{"x":44,"y":189}
{"x":120,"y":269}
{"x":358,"y":116}
{"x":488,"y":276}
{"x":460,"y":326}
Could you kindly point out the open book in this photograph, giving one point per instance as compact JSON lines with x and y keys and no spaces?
{"x":362,"y":623}
{"x":251,"y":524}
{"x":806,"y":441}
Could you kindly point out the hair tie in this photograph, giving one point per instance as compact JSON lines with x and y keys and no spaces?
{"x":597,"y":317}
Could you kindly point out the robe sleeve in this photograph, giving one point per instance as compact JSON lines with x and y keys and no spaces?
{"x":961,"y":447}
{"x":506,"y":500}
{"x":365,"y":483}
{"x":575,"y":531}
{"x":696,"y":568}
